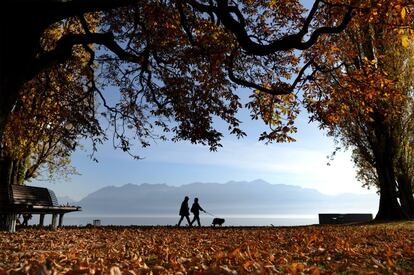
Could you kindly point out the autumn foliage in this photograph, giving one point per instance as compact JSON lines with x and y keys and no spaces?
{"x":360,"y":90}
{"x":373,"y":249}
{"x":52,"y":113}
{"x":169,"y":69}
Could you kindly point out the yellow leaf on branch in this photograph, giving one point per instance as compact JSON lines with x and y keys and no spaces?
{"x":405,"y":41}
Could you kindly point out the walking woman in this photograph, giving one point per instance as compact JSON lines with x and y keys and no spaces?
{"x":184,"y":211}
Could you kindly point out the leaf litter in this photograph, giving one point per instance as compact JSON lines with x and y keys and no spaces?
{"x":360,"y":249}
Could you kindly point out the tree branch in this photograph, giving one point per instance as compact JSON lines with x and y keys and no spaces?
{"x":327,"y":30}
{"x":56,"y":10}
{"x":64,"y":47}
{"x":294,"y":41}
{"x":282,"y":89}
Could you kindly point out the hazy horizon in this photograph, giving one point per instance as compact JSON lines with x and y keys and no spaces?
{"x":242,"y":203}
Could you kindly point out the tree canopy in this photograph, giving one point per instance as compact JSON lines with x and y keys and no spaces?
{"x":175,"y":60}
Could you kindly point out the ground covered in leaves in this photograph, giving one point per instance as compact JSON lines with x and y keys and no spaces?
{"x":375,"y":249}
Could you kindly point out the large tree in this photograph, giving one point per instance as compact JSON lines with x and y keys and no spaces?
{"x":363,"y":95}
{"x":174,"y":62}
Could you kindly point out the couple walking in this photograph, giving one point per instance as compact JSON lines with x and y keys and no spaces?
{"x":195,"y":208}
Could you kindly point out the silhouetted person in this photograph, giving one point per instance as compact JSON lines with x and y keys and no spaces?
{"x":26,"y":218}
{"x":184,"y":211}
{"x":195,"y":208}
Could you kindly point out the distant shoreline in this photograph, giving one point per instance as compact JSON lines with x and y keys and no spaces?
{"x":171,"y":220}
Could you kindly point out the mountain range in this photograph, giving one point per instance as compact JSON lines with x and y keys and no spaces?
{"x":254,"y":197}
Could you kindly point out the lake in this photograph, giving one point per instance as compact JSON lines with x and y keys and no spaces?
{"x":231,"y":220}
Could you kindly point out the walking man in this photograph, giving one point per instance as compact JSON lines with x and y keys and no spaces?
{"x":195,"y":209}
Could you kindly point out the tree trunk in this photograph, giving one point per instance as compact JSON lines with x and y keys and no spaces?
{"x":389,"y":208}
{"x":8,"y":177}
{"x":405,"y":183}
{"x":405,"y":194}
{"x":21,"y":30}
{"x":384,"y":153}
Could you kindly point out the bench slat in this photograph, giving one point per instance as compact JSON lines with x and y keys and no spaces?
{"x":31,"y":195}
{"x":30,"y":199}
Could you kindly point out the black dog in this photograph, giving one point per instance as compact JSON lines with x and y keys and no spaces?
{"x":217,"y":221}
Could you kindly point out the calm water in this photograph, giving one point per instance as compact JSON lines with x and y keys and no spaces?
{"x":231,"y":220}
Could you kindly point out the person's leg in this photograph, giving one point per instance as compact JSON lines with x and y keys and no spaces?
{"x":181,"y":219}
{"x":198,"y":221}
{"x":188,"y":219}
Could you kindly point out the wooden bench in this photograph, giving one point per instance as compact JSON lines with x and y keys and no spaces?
{"x":333,"y":218}
{"x":20,"y":199}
